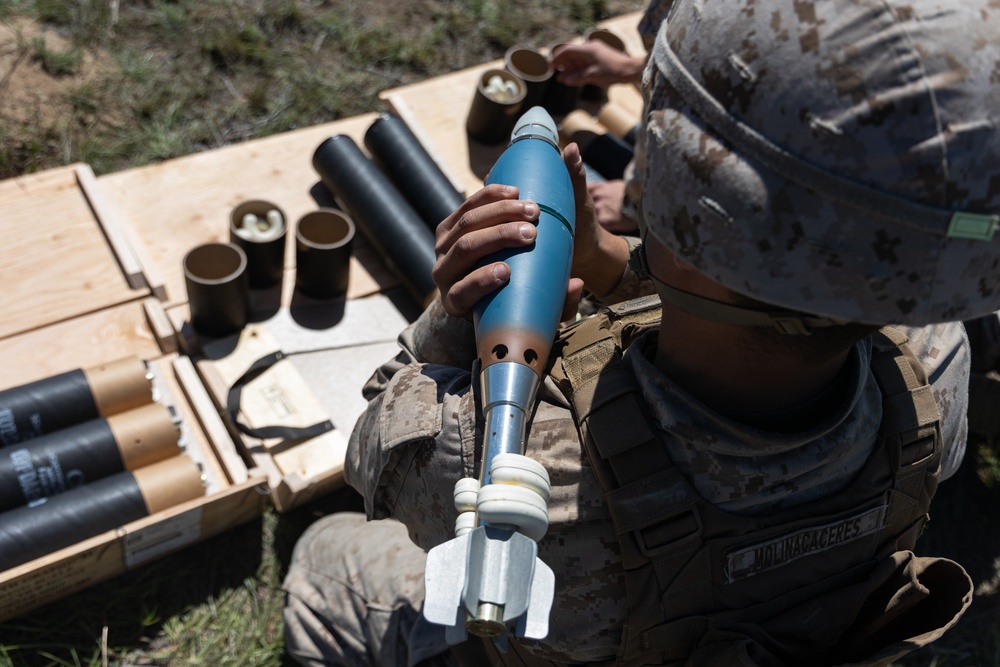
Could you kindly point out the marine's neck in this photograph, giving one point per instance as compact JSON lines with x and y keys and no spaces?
{"x":713,"y":363}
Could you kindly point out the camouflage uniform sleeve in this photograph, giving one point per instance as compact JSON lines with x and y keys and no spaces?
{"x":631,"y":286}
{"x":943,"y":349}
{"x":436,"y":337}
{"x":415,"y":438}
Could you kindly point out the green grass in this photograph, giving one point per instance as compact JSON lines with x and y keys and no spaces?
{"x":182,"y":76}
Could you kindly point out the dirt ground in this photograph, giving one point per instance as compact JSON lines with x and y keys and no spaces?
{"x":29,"y":95}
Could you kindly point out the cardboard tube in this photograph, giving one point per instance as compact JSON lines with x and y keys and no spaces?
{"x":380,"y":212}
{"x":620,"y":122}
{"x":559,"y":99}
{"x":399,"y":153}
{"x":168,"y":483}
{"x":323,"y":244}
{"x":120,"y":385}
{"x":600,"y":149}
{"x":218,"y":288}
{"x":491,"y":119}
{"x":531,"y":66}
{"x":145,"y":435}
{"x":591,"y":91}
{"x":78,"y":455}
{"x":54,"y":403}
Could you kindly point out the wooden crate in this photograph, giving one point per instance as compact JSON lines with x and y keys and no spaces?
{"x":233,"y":496}
{"x":331,"y":348}
{"x":74,"y":307}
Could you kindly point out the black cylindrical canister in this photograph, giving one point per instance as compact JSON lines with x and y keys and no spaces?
{"x":323,"y":241}
{"x":496,"y":103}
{"x":57,"y":462}
{"x":47,"y":405}
{"x":559,"y":98}
{"x":259,"y":228}
{"x":381,"y":212}
{"x":218,"y":288}
{"x":399,"y":153}
{"x":531,"y":66}
{"x":593,"y":92}
{"x":32,"y":531}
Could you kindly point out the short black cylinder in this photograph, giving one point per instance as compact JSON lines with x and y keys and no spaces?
{"x":559,"y":98}
{"x":492,"y":116}
{"x":218,"y":287}
{"x":263,"y":242}
{"x":399,"y":153}
{"x":532,"y":67}
{"x":323,"y":242}
{"x":592,"y":92}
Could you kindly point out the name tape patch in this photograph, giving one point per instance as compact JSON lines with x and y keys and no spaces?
{"x":751,"y":560}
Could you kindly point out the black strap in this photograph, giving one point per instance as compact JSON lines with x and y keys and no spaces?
{"x":265,"y":432}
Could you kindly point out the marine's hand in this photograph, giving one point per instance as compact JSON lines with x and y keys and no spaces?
{"x":599,"y":256}
{"x":488,"y":221}
{"x":608,"y":198}
{"x":595,"y":62}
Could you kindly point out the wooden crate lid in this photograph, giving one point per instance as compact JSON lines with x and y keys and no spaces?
{"x":56,"y":257}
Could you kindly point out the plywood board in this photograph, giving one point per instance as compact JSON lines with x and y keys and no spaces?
{"x":170,"y":207}
{"x":88,"y":340}
{"x":55,"y":261}
{"x":436,"y":110}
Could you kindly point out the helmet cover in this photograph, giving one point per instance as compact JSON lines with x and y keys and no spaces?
{"x":837,"y":157}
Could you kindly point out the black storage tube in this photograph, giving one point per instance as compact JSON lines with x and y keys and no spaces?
{"x":47,"y":405}
{"x":56,"y":462}
{"x":380,"y":211}
{"x":609,"y":155}
{"x":32,"y":531}
{"x":60,"y":521}
{"x":398,"y":152}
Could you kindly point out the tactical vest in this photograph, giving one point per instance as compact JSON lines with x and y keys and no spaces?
{"x":828,"y":582}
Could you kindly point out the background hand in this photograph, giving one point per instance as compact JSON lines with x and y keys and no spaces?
{"x":595,"y":62}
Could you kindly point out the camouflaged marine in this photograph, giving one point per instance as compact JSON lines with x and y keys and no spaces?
{"x":814,"y":170}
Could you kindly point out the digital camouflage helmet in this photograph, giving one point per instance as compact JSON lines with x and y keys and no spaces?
{"x":834,"y":157}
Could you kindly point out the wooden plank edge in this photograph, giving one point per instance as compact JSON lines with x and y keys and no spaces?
{"x":97,"y":559}
{"x":210,"y":420}
{"x":161,"y":326}
{"x":294,"y":490}
{"x":113,"y":232}
{"x":139,"y":271}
